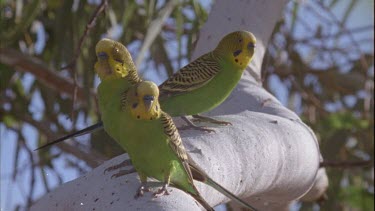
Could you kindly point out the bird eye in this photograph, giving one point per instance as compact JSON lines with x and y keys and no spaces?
{"x":102,"y":55}
{"x":250,"y":45}
{"x":148,"y":97}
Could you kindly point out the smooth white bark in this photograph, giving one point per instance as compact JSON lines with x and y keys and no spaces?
{"x":268,"y":156}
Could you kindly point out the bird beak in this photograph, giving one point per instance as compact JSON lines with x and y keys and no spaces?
{"x":102,"y":56}
{"x":148,"y":101}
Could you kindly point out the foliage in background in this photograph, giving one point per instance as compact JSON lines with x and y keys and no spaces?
{"x":327,"y":74}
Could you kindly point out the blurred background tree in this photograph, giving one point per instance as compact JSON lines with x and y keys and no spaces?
{"x":319,"y":63}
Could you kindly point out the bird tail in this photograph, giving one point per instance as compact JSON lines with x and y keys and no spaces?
{"x":84,"y":131}
{"x":199,"y":175}
{"x":203,"y":202}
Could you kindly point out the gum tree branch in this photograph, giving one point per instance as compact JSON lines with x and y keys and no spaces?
{"x":47,"y":76}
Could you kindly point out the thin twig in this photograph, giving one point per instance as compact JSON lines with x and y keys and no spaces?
{"x":340,"y":33}
{"x":22,"y":143}
{"x":350,"y":35}
{"x":308,"y":96}
{"x":71,"y":66}
{"x":102,"y":6}
{"x":49,"y":77}
{"x":92,"y":159}
{"x":72,"y":114}
{"x":15,"y":164}
{"x":346,"y":164}
{"x":32,"y":169}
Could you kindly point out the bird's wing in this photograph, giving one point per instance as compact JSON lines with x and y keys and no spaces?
{"x":192,"y":76}
{"x":175,"y":142}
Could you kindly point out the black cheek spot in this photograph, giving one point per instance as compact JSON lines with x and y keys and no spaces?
{"x":150,"y":118}
{"x":237,"y":52}
{"x":135,"y":105}
{"x":236,"y":60}
{"x":138,"y":117}
{"x":119,"y":60}
{"x":240,"y":40}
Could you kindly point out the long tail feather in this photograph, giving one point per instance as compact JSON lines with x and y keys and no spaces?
{"x":199,"y":175}
{"x":228,"y":194}
{"x":202,"y":202}
{"x":84,"y":131}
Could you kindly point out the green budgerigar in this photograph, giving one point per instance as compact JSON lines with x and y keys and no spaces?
{"x":207,"y":81}
{"x":149,"y":135}
{"x":114,"y":64}
{"x":198,"y":87}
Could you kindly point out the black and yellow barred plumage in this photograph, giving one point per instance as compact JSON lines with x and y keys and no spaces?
{"x":192,"y":76}
{"x":174,"y":137}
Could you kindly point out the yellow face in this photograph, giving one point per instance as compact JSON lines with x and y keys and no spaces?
{"x":112,"y":59}
{"x":237,"y":46}
{"x":143,"y":101}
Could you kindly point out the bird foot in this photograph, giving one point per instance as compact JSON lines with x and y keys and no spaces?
{"x":194,"y":127}
{"x":141,"y":190}
{"x":199,"y":118}
{"x":162,"y":191}
{"x":125,"y":163}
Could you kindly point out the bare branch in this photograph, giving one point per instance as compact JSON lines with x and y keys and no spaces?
{"x":346,"y":164}
{"x":102,"y":6}
{"x":71,"y":66}
{"x":344,"y":29}
{"x":92,"y":158}
{"x":49,"y":77}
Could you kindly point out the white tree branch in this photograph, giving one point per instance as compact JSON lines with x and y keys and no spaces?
{"x":268,"y":156}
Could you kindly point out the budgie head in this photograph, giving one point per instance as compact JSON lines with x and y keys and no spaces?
{"x":142,"y":101}
{"x":238,"y":47}
{"x":114,"y":60}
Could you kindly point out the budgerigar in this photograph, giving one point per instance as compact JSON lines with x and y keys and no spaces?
{"x":198,"y":87}
{"x":207,"y":81}
{"x":114,"y":64}
{"x":149,"y":135}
